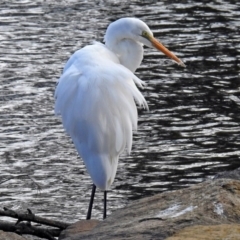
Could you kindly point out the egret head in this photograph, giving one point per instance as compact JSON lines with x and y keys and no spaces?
{"x":136,"y":30}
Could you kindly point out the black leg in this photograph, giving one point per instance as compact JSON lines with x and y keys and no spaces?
{"x":105,"y":205}
{"x":91,"y":203}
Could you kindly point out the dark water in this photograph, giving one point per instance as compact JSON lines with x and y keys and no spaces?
{"x":190,"y":133}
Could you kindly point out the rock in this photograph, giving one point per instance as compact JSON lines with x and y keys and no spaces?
{"x":10,"y":236}
{"x":209,"y":203}
{"x":215,"y":232}
{"x":235,"y":174}
{"x":81,"y":226}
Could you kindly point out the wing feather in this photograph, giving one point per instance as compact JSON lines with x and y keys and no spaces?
{"x":97,"y":104}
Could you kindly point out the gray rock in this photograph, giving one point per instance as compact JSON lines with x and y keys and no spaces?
{"x":10,"y":236}
{"x":235,"y":174}
{"x":81,"y":226}
{"x":211,"y":232}
{"x":158,"y":217}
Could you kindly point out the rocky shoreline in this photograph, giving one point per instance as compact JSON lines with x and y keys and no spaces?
{"x":209,"y":210}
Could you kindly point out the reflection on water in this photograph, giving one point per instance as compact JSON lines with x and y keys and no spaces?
{"x":191,"y":131}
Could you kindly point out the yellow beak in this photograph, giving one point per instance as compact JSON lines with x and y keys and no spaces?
{"x":163,"y":49}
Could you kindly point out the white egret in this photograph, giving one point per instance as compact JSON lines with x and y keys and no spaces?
{"x":96,"y":96}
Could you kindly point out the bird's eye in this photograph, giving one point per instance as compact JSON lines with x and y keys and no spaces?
{"x":145,"y":34}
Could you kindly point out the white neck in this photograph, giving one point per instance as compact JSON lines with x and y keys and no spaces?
{"x":122,"y":38}
{"x":129,"y":52}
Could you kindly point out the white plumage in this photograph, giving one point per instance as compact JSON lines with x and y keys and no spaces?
{"x":96,"y":96}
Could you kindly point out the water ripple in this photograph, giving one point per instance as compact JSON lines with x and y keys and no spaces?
{"x":191,"y":131}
